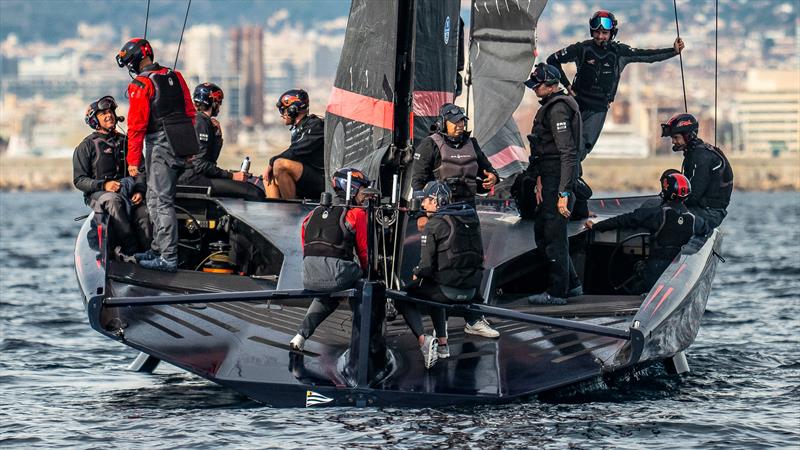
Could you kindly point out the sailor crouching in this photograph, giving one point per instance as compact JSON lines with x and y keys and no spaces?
{"x":671,"y":226}
{"x":332,"y":237}
{"x":98,"y":167}
{"x":449,"y":271}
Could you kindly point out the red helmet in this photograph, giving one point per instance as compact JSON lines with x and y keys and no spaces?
{"x":603,"y":20}
{"x":675,"y":186}
{"x":133,"y":52}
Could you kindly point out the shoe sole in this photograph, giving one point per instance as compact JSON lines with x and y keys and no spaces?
{"x":433,"y":355}
{"x":476,"y":333}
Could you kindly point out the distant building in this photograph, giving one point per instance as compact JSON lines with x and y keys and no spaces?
{"x":769,"y":112}
{"x":204,"y":56}
{"x":247,"y":58}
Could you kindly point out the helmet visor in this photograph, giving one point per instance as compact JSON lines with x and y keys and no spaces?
{"x":666,"y":130}
{"x":106,"y":103}
{"x":600,"y":22}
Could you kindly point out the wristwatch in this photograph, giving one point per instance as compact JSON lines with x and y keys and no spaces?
{"x":564,"y":194}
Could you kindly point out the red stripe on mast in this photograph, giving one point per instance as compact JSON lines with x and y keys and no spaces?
{"x":361,"y":108}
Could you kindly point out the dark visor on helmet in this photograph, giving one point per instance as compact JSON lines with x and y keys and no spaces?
{"x":106,"y":103}
{"x":601,"y":23}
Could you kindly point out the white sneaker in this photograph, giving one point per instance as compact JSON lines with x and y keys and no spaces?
{"x":481,"y":328}
{"x":429,"y":348}
{"x":443,"y":351}
{"x":297,"y":343}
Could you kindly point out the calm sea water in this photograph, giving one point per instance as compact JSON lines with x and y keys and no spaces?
{"x":64,"y":385}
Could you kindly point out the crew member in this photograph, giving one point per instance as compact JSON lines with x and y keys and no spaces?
{"x":298,"y":172}
{"x":705,"y":166}
{"x":332,"y":238}
{"x":98,"y":168}
{"x":451,"y":155}
{"x":554,"y":161}
{"x":671,"y":226}
{"x":450,"y":270}
{"x":203,"y":170}
{"x":599,"y":63}
{"x":161,"y":116}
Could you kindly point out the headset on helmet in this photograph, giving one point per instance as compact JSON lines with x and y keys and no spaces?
{"x":293,"y":102}
{"x":675,"y":186}
{"x":604,"y":20}
{"x":449,"y":112}
{"x":683,"y":124}
{"x":437,"y":190}
{"x":357,"y":180}
{"x":102,"y":104}
{"x":133,"y":52}
{"x":543,"y":73}
{"x":209,"y":95}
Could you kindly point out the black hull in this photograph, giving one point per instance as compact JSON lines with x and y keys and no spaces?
{"x":243,"y":345}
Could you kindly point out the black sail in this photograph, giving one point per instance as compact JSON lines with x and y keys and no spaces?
{"x":502,"y":52}
{"x":436,"y":50}
{"x":359,"y":120}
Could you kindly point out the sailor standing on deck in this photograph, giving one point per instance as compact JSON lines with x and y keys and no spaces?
{"x":599,"y":62}
{"x":203,"y":170}
{"x":160,"y":117}
{"x":554,"y":162}
{"x":671,"y":226}
{"x":450,"y":270}
{"x":332,"y":237}
{"x":298,"y":171}
{"x":98,"y":168}
{"x":705,"y":166}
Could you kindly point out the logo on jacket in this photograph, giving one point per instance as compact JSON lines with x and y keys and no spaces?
{"x":680,"y":220}
{"x":324,"y":214}
{"x":591,"y":61}
{"x":315,"y":398}
{"x":446,"y":30}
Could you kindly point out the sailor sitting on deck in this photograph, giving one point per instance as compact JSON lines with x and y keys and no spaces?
{"x":299,"y":171}
{"x":98,"y":167}
{"x":331,"y":237}
{"x":203,"y":169}
{"x":450,"y":269}
{"x":671,"y":225}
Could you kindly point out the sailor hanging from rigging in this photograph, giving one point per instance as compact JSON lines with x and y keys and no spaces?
{"x":599,"y":64}
{"x":203,"y":169}
{"x":671,"y":226}
{"x":554,"y":164}
{"x":705,"y":166}
{"x":298,"y":171}
{"x":98,"y":168}
{"x":450,"y":269}
{"x":161,"y":116}
{"x":334,"y":240}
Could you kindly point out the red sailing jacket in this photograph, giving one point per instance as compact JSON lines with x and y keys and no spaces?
{"x":140,"y":95}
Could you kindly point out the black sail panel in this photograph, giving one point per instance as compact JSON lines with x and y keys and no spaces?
{"x":502,"y":52}
{"x":436,"y":49}
{"x":359,"y":120}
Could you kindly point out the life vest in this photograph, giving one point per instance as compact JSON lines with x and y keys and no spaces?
{"x":167,"y":100}
{"x":327,"y":233}
{"x":543,"y":144}
{"x":598,"y":74}
{"x":459,"y":166}
{"x":459,"y":259}
{"x":677,"y":228}
{"x":109,"y":156}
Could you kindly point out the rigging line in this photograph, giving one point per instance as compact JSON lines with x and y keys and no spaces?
{"x":716,"y":63}
{"x":680,"y":57}
{"x":186,"y":17}
{"x":146,"y":19}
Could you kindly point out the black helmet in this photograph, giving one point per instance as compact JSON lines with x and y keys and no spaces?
{"x":133,"y":52}
{"x":438,"y":190}
{"x":603,"y":20}
{"x":209,"y":95}
{"x":682,"y":123}
{"x":675,"y":186}
{"x":357,"y":180}
{"x":449,"y":112}
{"x":293,"y":102}
{"x":102,"y":104}
{"x":543,"y":73}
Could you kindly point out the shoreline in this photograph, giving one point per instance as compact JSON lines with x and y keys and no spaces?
{"x":621,"y":175}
